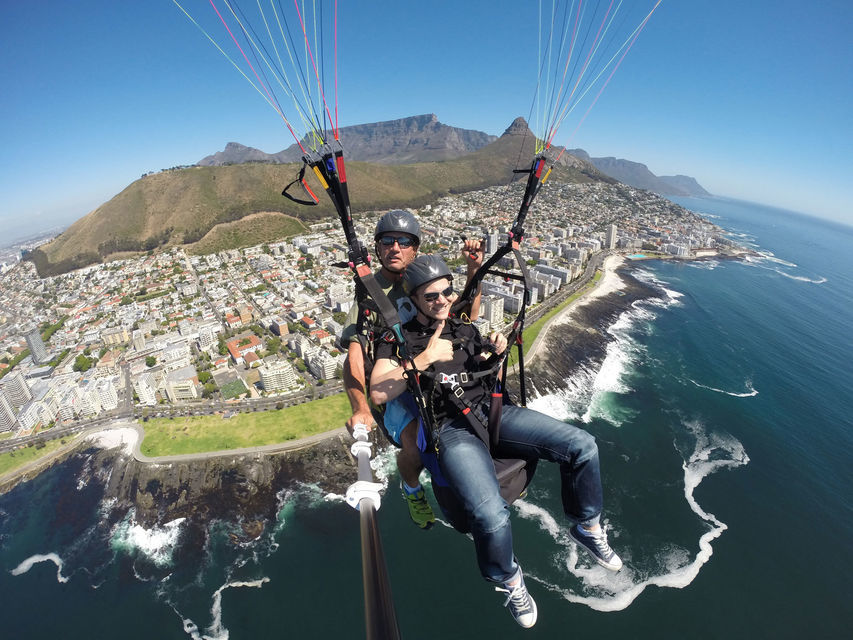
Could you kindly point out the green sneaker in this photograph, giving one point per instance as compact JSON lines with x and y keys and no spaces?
{"x":419,"y":509}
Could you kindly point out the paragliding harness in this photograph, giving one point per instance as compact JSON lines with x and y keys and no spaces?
{"x":513,"y":474}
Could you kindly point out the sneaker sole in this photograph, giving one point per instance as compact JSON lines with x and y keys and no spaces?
{"x":592,"y":555}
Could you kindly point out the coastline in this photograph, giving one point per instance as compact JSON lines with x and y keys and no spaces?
{"x":610,"y":282}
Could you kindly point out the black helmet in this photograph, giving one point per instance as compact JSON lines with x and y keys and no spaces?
{"x":423,"y":270}
{"x":398,"y":220}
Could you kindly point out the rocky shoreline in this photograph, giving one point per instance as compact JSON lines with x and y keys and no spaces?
{"x":580,"y":341}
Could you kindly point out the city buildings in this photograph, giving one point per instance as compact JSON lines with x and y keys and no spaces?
{"x":212,"y":313}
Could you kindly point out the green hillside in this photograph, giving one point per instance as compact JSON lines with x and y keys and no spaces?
{"x":208,"y":208}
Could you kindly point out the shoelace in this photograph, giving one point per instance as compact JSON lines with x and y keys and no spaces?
{"x":420,"y":503}
{"x":518,"y":595}
{"x":599,"y":539}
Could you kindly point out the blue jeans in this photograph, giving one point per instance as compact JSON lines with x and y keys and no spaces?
{"x":467,"y":466}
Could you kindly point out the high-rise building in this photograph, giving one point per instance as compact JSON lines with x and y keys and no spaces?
{"x":138,"y":340}
{"x":493,"y":311}
{"x":610,"y":238}
{"x":7,"y":415}
{"x":16,"y":390}
{"x":36,"y":345}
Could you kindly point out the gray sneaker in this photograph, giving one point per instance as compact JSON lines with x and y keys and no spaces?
{"x":520,"y":604}
{"x":595,"y":543}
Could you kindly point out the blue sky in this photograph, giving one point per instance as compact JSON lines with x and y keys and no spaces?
{"x":753,"y":99}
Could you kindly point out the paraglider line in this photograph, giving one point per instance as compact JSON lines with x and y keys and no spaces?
{"x":311,"y":55}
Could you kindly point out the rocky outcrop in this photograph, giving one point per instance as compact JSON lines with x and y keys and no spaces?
{"x":239,"y":489}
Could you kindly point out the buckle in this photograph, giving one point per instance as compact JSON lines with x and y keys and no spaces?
{"x":447,"y":379}
{"x":458,"y":392}
{"x":463,"y":377}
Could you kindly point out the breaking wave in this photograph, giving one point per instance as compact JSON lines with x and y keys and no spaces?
{"x":749,"y":393}
{"x":766,"y":256}
{"x":592,"y":390}
{"x":156,"y":544}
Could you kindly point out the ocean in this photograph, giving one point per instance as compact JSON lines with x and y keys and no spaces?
{"x":723,"y":416}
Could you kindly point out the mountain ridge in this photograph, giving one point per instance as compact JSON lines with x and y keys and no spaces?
{"x":403,"y":141}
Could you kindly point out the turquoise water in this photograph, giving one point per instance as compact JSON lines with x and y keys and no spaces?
{"x":723,"y":416}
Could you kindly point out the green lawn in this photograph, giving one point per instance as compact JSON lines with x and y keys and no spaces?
{"x":531,"y":332}
{"x":198,"y":434}
{"x":15,"y":459}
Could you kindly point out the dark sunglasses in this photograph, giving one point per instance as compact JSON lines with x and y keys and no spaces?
{"x":432,"y":296}
{"x":403,"y":241}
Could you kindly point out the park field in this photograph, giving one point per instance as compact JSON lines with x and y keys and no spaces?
{"x":14,"y":460}
{"x":201,"y":434}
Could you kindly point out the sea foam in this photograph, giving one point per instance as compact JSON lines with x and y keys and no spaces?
{"x":156,"y":544}
{"x":749,"y":393}
{"x":607,"y":591}
{"x":27,"y":564}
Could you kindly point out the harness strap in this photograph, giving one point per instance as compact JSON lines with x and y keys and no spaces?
{"x":300,"y":179}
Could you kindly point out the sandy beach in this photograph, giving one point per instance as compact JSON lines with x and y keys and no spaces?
{"x":608,"y":283}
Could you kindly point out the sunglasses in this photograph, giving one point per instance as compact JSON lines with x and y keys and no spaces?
{"x":403,"y":241}
{"x":432,"y":296}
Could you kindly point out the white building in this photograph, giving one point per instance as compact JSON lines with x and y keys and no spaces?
{"x":146,"y":389}
{"x":610,"y":237}
{"x":277,"y":376}
{"x":322,"y":365}
{"x":29,"y":415}
{"x":176,"y":356}
{"x":493,"y":311}
{"x":69,"y":407}
{"x":107,"y":395}
{"x":14,"y":387}
{"x":181,"y":384}
{"x":7,"y":415}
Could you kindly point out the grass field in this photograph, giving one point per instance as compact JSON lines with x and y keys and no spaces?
{"x":16,"y":459}
{"x":531,"y":332}
{"x":199,"y":434}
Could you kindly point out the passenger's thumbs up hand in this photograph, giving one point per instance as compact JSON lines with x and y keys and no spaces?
{"x":438,"y":349}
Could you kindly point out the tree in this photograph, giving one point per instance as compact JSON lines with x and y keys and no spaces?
{"x":125,"y":300}
{"x":82,"y":363}
{"x":223,"y":349}
{"x":340,"y":317}
{"x":150,"y":361}
{"x":204,"y":377}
